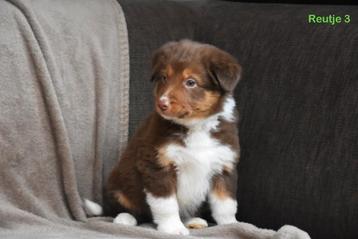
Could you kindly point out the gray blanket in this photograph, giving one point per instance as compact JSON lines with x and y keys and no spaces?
{"x":64,"y":79}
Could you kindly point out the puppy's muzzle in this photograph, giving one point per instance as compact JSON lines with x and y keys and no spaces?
{"x":163,"y":103}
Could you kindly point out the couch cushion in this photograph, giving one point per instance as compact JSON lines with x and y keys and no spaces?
{"x":298,"y":103}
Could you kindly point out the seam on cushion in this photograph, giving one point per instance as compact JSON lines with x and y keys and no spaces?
{"x":124,"y":65}
{"x":99,"y":168}
{"x":99,"y":179}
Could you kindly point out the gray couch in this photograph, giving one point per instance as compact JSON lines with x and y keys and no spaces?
{"x":74,"y":85}
{"x":298,"y":103}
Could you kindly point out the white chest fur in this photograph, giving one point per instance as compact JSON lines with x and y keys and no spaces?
{"x":199,"y":159}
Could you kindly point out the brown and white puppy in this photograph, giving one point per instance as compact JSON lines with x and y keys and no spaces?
{"x":185,"y":152}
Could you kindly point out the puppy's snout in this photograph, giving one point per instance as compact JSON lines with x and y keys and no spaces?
{"x":163,"y":103}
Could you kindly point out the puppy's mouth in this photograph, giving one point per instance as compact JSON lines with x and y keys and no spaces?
{"x":169,"y":113}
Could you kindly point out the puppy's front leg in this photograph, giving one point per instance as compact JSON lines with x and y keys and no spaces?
{"x":222,"y":198}
{"x":160,"y":189}
{"x":165,"y":213}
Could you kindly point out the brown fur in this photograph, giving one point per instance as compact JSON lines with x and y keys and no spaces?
{"x":123,"y":200}
{"x":224,"y":185}
{"x":143,"y":165}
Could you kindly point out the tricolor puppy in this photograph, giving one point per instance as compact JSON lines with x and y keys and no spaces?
{"x":185,"y":153}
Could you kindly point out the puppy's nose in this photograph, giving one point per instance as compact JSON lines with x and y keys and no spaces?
{"x":163,"y":103}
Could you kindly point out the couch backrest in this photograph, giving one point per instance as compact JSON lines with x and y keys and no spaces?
{"x":298,"y":103}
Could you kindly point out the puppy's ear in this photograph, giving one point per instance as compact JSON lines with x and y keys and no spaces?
{"x":160,"y":57}
{"x":222,"y":68}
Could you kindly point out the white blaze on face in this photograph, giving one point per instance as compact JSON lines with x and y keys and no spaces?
{"x":165,"y":99}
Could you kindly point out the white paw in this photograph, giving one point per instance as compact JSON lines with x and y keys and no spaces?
{"x":196,"y":223}
{"x":225,"y":220}
{"x":171,"y":227}
{"x":92,"y":208}
{"x":125,"y":219}
{"x":288,"y":231}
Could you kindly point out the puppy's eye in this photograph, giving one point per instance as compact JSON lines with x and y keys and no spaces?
{"x":190,"y":83}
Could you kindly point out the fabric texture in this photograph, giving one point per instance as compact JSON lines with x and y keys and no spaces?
{"x":64,"y":71}
{"x":64,"y":108}
{"x":150,"y":25}
{"x":64,"y":79}
{"x":298,"y":106}
{"x":297,"y":102}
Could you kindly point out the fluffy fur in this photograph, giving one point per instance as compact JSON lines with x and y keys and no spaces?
{"x":198,"y":160}
{"x":185,"y":153}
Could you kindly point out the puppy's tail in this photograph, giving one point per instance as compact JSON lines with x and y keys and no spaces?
{"x":92,"y":208}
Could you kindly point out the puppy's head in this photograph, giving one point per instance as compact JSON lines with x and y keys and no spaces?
{"x":192,"y":79}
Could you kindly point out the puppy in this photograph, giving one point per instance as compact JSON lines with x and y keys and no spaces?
{"x":185,"y":153}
